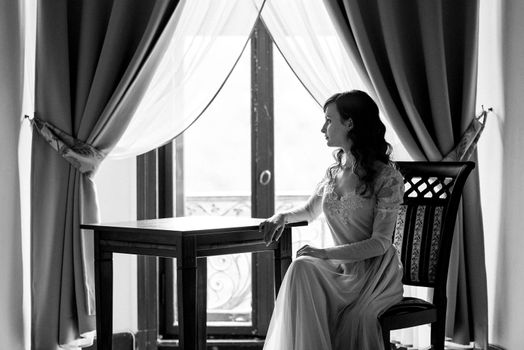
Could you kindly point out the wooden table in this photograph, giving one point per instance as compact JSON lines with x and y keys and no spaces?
{"x":186,"y":239}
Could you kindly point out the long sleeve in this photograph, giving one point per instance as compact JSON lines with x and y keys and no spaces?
{"x":311,"y":209}
{"x":389,"y":190}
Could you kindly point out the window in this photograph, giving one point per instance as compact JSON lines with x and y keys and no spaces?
{"x":174,"y":180}
{"x":253,"y":131}
{"x":212,"y":162}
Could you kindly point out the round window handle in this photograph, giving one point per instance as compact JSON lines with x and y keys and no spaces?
{"x":265,"y":177}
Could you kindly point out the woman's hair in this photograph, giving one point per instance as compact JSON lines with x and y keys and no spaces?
{"x":368,"y":144}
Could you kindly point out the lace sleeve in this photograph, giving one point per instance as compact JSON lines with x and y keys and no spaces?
{"x":389,"y":191}
{"x":311,"y":209}
{"x":389,"y":197}
{"x":319,"y":190}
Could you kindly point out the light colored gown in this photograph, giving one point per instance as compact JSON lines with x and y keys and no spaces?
{"x":334,"y":303}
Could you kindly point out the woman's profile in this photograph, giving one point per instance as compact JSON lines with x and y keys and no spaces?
{"x":330,"y":298}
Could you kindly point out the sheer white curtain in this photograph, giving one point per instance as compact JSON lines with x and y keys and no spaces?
{"x":201,"y":48}
{"x":306,"y":37}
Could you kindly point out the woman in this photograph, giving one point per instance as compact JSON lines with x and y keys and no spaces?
{"x":330,"y":297}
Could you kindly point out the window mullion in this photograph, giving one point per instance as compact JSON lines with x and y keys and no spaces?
{"x":262,"y":167}
{"x":171,"y":175}
{"x":154,"y":200}
{"x":147,"y":268}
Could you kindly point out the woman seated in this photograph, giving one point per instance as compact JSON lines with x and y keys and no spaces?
{"x":330,"y":298}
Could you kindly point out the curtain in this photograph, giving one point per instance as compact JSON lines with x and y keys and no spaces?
{"x":303,"y":33}
{"x":107,"y":78}
{"x":202,"y":49}
{"x":88,"y":55}
{"x":420,"y":60}
{"x":307,"y":39}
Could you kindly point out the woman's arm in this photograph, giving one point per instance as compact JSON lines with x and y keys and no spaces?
{"x":377,"y":244}
{"x":273,"y":226}
{"x":389,"y":194}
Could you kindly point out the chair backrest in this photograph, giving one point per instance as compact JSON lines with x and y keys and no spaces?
{"x":426,"y":220}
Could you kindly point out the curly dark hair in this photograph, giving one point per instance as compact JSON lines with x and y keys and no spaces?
{"x":366,"y":135}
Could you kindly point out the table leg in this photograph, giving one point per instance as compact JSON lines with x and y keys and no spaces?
{"x":187,"y":294}
{"x":202,"y":303}
{"x":104,"y":297}
{"x":282,"y":257}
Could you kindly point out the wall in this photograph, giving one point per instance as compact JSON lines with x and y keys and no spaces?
{"x":490,"y":94}
{"x":11,"y":326}
{"x":501,"y":86}
{"x":116,"y":188}
{"x":508,"y":316}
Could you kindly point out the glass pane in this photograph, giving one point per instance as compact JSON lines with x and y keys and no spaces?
{"x":301,"y":155}
{"x":217,"y":170}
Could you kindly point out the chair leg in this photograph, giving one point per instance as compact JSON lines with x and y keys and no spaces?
{"x":438,"y":330}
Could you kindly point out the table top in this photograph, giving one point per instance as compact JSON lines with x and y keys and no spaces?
{"x":185,"y":224}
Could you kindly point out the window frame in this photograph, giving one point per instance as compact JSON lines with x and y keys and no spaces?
{"x":156,"y":175}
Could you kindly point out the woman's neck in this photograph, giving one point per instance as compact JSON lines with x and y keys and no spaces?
{"x":348,"y":160}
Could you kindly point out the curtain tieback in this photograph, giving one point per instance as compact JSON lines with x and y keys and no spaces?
{"x":464,"y":149}
{"x":79,"y":154}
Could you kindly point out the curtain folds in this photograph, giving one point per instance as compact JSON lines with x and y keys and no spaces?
{"x":420,"y":60}
{"x":88,"y":54}
{"x":306,"y":37}
{"x":81,"y":155}
{"x":467,"y":145}
{"x":201,"y":49}
{"x":110,"y":77}
{"x":303,"y":33}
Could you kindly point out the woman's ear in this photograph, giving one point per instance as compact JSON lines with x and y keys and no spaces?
{"x":349,"y":123}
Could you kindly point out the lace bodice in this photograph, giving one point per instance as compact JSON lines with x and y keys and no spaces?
{"x":342,"y":204}
{"x":361,"y":225}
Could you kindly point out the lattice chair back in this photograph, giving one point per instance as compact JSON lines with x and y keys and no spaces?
{"x":426,"y":220}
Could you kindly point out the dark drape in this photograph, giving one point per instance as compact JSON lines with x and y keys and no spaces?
{"x":88,"y":54}
{"x":419,"y":59}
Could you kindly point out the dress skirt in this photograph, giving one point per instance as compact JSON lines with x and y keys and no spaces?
{"x":323,"y":304}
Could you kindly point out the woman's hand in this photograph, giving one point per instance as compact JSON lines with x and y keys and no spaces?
{"x":272,"y":228}
{"x":308,"y":250}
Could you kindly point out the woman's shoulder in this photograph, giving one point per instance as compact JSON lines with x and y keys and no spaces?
{"x":388,"y":174}
{"x":389,"y":185}
{"x":386,"y":169}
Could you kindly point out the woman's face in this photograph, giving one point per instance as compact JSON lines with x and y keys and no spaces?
{"x":335,"y":130}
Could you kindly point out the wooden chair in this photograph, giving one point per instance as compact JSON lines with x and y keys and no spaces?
{"x":422,"y":237}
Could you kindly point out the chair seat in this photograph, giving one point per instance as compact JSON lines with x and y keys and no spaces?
{"x":408,"y":312}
